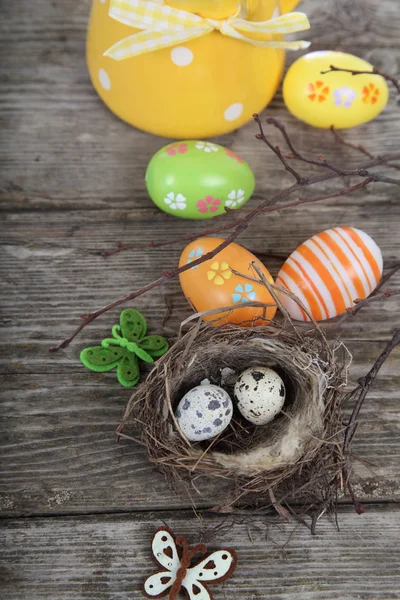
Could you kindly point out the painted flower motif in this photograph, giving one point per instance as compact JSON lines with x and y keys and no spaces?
{"x":233,"y":155}
{"x":194,"y":255}
{"x":236,"y":197}
{"x":207,"y":146}
{"x":176,"y":148}
{"x":243,"y":293}
{"x":219,"y":273}
{"x":344,"y":96}
{"x":208,"y":204}
{"x":317,"y":91}
{"x":371,"y":94}
{"x":175,"y":201}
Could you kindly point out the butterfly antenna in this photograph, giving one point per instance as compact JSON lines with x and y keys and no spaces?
{"x":116,"y":330}
{"x":181,"y":541}
{"x":198,"y":549}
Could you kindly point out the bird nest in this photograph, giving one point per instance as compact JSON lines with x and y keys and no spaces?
{"x":295,"y":458}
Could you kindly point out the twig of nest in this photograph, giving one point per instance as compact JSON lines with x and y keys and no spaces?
{"x":296,"y":457}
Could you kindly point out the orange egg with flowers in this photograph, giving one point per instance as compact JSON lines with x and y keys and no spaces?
{"x":329,"y":271}
{"x":215,"y":283}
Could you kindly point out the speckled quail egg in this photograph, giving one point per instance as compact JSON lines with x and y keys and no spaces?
{"x":260,"y":394}
{"x":204,"y":412}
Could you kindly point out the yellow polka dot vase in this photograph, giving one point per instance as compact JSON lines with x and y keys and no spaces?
{"x":189,"y":68}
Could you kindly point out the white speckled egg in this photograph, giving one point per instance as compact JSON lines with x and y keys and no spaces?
{"x":204,"y":412}
{"x":260,"y":394}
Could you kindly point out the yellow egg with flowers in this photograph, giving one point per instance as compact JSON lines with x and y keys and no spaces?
{"x":325,"y":97}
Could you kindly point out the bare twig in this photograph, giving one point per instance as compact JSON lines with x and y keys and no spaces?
{"x":358,"y":304}
{"x":265,"y":208}
{"x":358,"y":506}
{"x":360,"y":148}
{"x":386,"y":277}
{"x":311,"y":199}
{"x":168,"y":310}
{"x":166,"y":275}
{"x":322,"y":162}
{"x":336,"y":172}
{"x":242,"y":223}
{"x":281,"y":510}
{"x":318,"y":513}
{"x":342,"y":192}
{"x":393,"y":80}
{"x":170,"y":274}
{"x":364,"y":385}
{"x":261,"y":136}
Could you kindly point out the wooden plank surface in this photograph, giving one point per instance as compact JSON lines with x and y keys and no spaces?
{"x":59,"y":451}
{"x":108,"y":558}
{"x":71,"y":184}
{"x":59,"y":420}
{"x":63,"y":149}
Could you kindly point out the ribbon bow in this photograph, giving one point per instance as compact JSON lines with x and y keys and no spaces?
{"x":165,"y":26}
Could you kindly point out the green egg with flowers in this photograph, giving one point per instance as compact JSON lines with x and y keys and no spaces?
{"x":194,"y":179}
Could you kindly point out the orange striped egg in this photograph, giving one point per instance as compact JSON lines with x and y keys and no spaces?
{"x":329,"y":271}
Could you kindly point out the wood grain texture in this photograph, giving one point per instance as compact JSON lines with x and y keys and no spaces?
{"x":62,"y":148}
{"x":72,"y":183}
{"x":54,"y":272}
{"x":108,"y":558}
{"x":59,"y":453}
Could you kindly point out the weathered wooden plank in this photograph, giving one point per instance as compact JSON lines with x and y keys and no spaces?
{"x":48,"y":454}
{"x":62,"y":148}
{"x":59,"y":453}
{"x":54,"y":273}
{"x":109,"y":557}
{"x":62,"y":151}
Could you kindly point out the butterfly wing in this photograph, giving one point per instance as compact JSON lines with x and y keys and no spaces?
{"x":155,"y":345}
{"x":195,"y":590}
{"x":164,"y":549}
{"x":166,"y":554}
{"x":133,"y":325}
{"x":213,"y":569}
{"x":128,"y":370}
{"x":100,"y":359}
{"x":157,"y":585}
{"x":142,"y":354}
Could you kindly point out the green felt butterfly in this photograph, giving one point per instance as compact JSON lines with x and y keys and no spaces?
{"x":129,"y":342}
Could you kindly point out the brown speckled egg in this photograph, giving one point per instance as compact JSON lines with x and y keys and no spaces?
{"x":260,"y":394}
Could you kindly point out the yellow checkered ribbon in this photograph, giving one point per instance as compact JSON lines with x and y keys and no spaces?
{"x":165,"y":26}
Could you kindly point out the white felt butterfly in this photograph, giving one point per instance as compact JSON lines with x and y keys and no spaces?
{"x":217,"y":567}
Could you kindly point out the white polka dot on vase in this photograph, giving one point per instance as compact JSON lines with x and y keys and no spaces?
{"x":104,"y":79}
{"x":103,"y":1}
{"x":181,"y":56}
{"x":233,"y":111}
